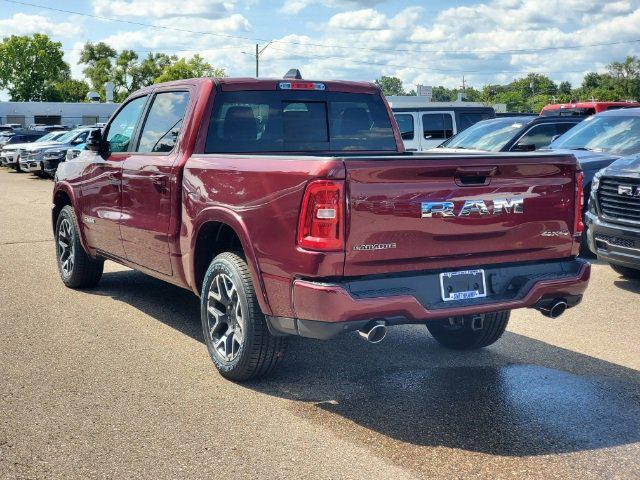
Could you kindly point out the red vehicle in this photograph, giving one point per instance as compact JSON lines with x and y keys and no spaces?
{"x":291,"y":208}
{"x":584,"y":108}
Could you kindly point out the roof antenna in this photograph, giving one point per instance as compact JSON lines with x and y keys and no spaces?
{"x":293,"y":73}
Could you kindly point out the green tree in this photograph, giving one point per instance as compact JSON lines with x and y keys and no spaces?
{"x":151,"y":68}
{"x":124,"y":74}
{"x":627,"y":77}
{"x":99,"y":60}
{"x":564,"y":88}
{"x":599,"y":86}
{"x":30,"y":66}
{"x":195,"y":67}
{"x":443,"y":94}
{"x":68,"y":90}
{"x":390,"y":85}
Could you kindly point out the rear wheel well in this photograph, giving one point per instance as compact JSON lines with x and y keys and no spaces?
{"x":60,"y":200}
{"x":213,"y":238}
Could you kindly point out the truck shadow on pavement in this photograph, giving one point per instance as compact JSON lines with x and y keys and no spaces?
{"x":520,"y":397}
{"x":632,"y":286}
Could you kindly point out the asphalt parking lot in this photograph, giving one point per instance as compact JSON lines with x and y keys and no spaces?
{"x":116,"y":383}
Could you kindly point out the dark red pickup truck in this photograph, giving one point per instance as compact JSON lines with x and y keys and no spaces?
{"x":290,"y":207}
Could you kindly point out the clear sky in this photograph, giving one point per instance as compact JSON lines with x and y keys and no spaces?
{"x":428,"y":42}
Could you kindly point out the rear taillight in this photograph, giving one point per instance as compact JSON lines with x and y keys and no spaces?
{"x":578,"y":224}
{"x":321,"y":222}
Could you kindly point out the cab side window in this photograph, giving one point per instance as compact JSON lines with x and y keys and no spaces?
{"x":122,"y":126}
{"x":81,"y":138}
{"x":405,"y":124}
{"x":437,"y":126}
{"x":564,"y":127}
{"x":163,"y":123}
{"x":538,"y":136}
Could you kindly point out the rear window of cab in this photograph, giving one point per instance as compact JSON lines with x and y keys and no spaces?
{"x":298,"y":121}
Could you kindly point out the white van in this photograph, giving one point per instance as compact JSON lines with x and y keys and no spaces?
{"x":425,"y":125}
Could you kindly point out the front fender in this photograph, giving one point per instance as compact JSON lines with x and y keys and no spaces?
{"x":64,"y":189}
{"x":234,"y":221}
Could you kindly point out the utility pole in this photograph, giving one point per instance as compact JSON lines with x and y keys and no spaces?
{"x":258,"y":53}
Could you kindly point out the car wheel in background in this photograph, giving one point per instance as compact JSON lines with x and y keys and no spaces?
{"x":234,"y":327}
{"x":469,"y":332}
{"x":77,"y":269}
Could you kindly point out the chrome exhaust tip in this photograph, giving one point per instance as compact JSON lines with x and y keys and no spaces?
{"x":374,"y":332}
{"x":554,"y":309}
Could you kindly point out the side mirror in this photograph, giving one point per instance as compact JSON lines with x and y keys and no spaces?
{"x":524,"y":147}
{"x":94,"y":141}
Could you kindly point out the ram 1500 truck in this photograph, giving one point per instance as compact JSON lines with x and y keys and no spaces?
{"x":290,"y":208}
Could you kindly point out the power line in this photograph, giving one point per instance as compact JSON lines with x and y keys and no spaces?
{"x":350,"y":47}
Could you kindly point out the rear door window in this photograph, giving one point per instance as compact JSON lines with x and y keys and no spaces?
{"x":405,"y":124}
{"x":163,"y":123}
{"x":437,"y":126}
{"x":298,"y":121}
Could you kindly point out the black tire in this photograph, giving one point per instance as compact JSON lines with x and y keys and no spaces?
{"x":77,"y":269}
{"x":464,"y":333}
{"x":238,"y":341}
{"x":626,"y":272}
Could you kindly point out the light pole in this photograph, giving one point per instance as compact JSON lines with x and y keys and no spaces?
{"x":258,"y":53}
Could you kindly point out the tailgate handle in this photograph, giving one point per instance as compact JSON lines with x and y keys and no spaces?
{"x":470,"y":176}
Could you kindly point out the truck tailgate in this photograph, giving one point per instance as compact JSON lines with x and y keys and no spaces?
{"x":435,"y":212}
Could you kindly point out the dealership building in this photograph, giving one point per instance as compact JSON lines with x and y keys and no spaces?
{"x":55,"y":113}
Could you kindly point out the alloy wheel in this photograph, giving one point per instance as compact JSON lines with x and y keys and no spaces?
{"x":225,"y":318}
{"x":65,"y":247}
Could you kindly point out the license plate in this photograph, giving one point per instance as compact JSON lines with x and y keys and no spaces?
{"x":463,"y":285}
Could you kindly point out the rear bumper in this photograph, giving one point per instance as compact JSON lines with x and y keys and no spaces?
{"x":325,"y":309}
{"x":617,"y":244}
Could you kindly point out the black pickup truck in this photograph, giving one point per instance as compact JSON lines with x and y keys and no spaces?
{"x":613,"y":218}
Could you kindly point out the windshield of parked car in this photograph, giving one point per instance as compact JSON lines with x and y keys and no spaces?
{"x":50,"y":136}
{"x":67,"y":137}
{"x":299,"y":121}
{"x":490,"y":135}
{"x":618,"y":135}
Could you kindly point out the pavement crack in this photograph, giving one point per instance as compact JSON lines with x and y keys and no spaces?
{"x":27,"y":242}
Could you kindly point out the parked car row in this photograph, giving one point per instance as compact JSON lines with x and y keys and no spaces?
{"x":43,"y":155}
{"x":20,"y":136}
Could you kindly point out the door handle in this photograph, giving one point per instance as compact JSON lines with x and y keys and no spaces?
{"x":472,"y":176}
{"x":159,"y":182}
{"x":159,"y":179}
{"x":112,"y":177}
